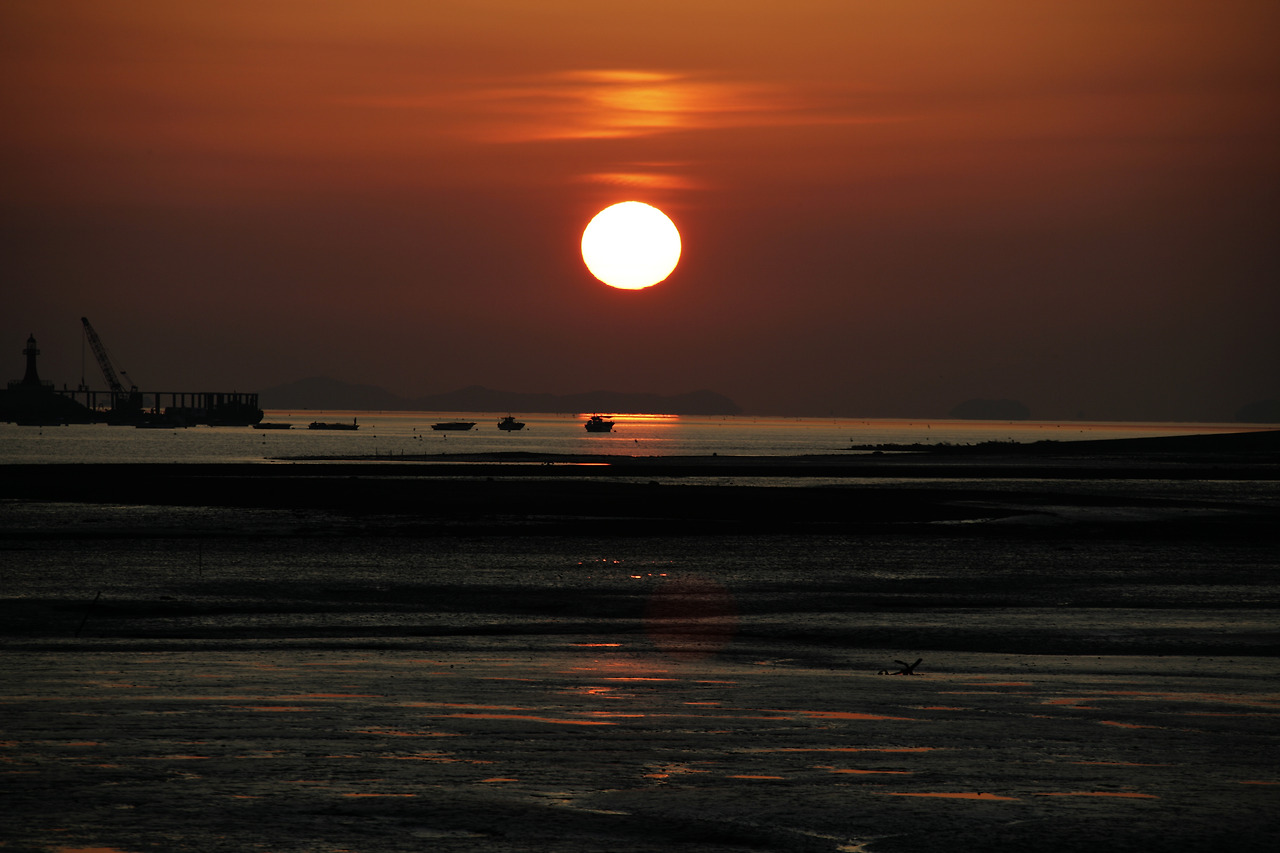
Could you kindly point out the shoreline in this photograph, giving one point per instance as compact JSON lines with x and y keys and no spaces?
{"x":1174,"y":486}
{"x":894,"y":485}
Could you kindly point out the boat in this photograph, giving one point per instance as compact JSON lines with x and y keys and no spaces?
{"x":323,"y":425}
{"x":510,"y":424}
{"x":461,"y":426}
{"x":265,"y":425}
{"x":595,"y":423}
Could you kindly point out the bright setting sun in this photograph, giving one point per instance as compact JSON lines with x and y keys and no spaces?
{"x":631,"y":245}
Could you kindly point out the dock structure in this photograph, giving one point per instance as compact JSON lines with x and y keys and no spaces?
{"x":161,"y":401}
{"x":183,"y":408}
{"x":31,"y":400}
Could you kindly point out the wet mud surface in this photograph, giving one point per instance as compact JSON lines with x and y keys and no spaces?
{"x":608,"y":747}
{"x":1099,"y":673}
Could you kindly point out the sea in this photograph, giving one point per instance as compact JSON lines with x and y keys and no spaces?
{"x":410,"y":434}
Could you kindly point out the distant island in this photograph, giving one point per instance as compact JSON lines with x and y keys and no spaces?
{"x":328,"y":394}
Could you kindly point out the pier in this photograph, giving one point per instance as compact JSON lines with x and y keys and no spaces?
{"x":184,"y":408}
{"x":31,"y":400}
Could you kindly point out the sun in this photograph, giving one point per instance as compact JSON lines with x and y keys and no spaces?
{"x":631,"y":245}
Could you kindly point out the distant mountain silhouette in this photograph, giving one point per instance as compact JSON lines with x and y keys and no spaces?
{"x":1261,"y":412}
{"x":320,"y":392}
{"x":324,"y":393}
{"x":991,"y":410}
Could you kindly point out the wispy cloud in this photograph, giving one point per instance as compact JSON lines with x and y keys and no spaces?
{"x":621,"y":103}
{"x":647,"y":176}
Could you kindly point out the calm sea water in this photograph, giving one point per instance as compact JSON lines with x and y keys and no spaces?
{"x":410,"y":434}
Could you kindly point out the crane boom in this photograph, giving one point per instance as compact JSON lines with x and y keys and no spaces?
{"x":104,"y":361}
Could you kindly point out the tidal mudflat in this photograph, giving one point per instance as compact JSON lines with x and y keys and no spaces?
{"x":1099,"y":671}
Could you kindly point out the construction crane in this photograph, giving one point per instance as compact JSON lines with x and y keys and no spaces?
{"x":104,"y":362}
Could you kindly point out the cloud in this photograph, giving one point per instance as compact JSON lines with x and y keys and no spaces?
{"x":599,"y":106}
{"x":621,"y":103}
{"x":647,"y":176}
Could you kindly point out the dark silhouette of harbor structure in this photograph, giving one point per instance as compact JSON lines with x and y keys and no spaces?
{"x":180,"y":408}
{"x":32,"y":377}
{"x":33,"y":401}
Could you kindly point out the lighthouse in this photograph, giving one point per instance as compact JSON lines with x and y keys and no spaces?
{"x":30,"y":400}
{"x":32,"y":378}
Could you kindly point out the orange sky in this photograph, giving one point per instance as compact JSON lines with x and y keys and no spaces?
{"x":887,"y":206}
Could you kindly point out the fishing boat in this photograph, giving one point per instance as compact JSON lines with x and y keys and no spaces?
{"x":595,"y":423}
{"x":510,"y":424}
{"x":324,"y":425}
{"x":461,"y":426}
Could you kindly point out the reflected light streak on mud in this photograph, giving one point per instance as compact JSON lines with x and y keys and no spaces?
{"x":837,"y":715}
{"x":943,"y":795}
{"x":691,"y":618}
{"x":528,"y":718}
{"x":847,"y":749}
